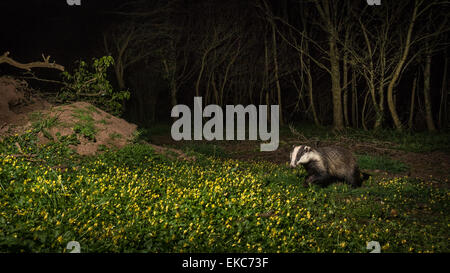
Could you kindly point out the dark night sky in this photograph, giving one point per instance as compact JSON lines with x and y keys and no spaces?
{"x":67,"y":33}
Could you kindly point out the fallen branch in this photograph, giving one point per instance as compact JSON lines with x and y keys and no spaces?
{"x":98,"y":94}
{"x":29,"y":157}
{"x":19,"y":148}
{"x":164,"y":150}
{"x":302,"y":139}
{"x":33,"y":77}
{"x":45,"y":64}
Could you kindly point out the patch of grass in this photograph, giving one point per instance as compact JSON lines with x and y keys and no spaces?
{"x":158,"y":129}
{"x":282,"y":177}
{"x":85,"y":124}
{"x":146,"y":133}
{"x":424,"y":142}
{"x":41,"y":122}
{"x":405,"y":141}
{"x":103,"y":121}
{"x":141,"y":134}
{"x":82,"y":113}
{"x":208,"y":149}
{"x":381,"y":163}
{"x":308,"y":130}
{"x":91,"y":108}
{"x":68,"y":139}
{"x":102,"y":148}
{"x":115,"y":136}
{"x":85,"y":129}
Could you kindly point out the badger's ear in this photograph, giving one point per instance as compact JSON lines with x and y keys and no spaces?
{"x":307,"y":148}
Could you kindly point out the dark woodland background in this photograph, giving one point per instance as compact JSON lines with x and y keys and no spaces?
{"x":339,"y":63}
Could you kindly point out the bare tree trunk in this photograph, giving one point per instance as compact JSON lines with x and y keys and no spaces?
{"x":444,"y":92}
{"x":380,"y":117}
{"x":325,"y":12}
{"x":173,"y":95}
{"x":227,"y":70}
{"x":398,"y":69}
{"x":345,"y":88}
{"x":363,"y":114}
{"x":380,"y":107}
{"x":354,"y":100}
{"x":370,"y":78}
{"x":202,"y":68}
{"x":268,"y":103}
{"x":264,"y":84}
{"x":277,"y":81}
{"x":172,"y":83}
{"x":118,"y":69}
{"x":311,"y":93}
{"x":413,"y":96}
{"x":207,"y":96}
{"x":305,"y":67}
{"x":426,"y":92}
{"x":338,"y":121}
{"x":217,"y":97}
{"x":266,"y":76}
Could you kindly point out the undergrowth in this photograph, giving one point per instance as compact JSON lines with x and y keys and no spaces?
{"x":134,"y":200}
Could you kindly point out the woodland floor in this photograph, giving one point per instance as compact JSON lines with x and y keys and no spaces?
{"x":18,"y":104}
{"x":433,"y":166}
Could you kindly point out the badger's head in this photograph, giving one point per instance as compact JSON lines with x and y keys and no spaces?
{"x":302,"y":155}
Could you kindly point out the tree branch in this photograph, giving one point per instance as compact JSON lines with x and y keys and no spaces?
{"x":46,"y":64}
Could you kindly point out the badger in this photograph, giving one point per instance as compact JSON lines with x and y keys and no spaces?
{"x":327,"y":164}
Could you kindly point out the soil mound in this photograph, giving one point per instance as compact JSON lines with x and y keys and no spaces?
{"x":11,"y":93}
{"x":88,"y":127}
{"x":92,"y":127}
{"x":16,"y":102}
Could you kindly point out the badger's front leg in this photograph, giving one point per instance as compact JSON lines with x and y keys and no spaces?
{"x":310,"y":179}
{"x":307,"y":182}
{"x":318,"y":179}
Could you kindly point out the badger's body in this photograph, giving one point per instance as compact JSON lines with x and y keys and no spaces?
{"x":326,"y":164}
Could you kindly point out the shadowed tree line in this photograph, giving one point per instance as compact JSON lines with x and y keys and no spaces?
{"x":343,"y":63}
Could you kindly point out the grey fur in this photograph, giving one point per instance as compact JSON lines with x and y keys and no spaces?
{"x":325,"y":164}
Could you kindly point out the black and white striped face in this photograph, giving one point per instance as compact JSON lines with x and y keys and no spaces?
{"x":301,"y":155}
